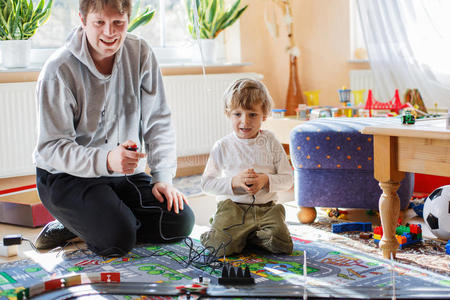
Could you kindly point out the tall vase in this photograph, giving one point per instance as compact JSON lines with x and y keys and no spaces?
{"x":294,"y":95}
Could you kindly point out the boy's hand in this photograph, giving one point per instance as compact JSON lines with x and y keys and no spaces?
{"x":240,"y":182}
{"x":124,"y":161}
{"x":256,"y":181}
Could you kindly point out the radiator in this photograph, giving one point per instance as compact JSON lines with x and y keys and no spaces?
{"x":18,"y":132}
{"x":363,"y":80}
{"x":198,"y":111}
{"x":195,"y":101}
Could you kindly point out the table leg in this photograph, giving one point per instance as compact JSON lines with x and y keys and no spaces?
{"x":389,"y":211}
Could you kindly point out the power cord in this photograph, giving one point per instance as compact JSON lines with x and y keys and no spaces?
{"x":234,"y":225}
{"x":243,"y":216}
{"x":16,"y":239}
{"x":200,"y":257}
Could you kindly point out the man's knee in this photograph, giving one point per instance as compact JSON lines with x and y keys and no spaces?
{"x":116,"y":241}
{"x":186,"y":221}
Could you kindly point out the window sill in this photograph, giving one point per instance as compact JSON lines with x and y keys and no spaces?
{"x":196,"y":64}
{"x":38,"y":67}
{"x":31,"y":68}
{"x":358,"y":61}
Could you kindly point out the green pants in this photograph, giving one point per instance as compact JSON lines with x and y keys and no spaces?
{"x":263,"y":226}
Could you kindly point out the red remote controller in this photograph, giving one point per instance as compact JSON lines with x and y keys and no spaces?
{"x":132,"y":148}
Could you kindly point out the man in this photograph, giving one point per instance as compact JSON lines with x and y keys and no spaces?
{"x":98,"y":97}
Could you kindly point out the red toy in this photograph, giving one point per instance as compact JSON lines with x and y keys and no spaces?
{"x":394,"y":104}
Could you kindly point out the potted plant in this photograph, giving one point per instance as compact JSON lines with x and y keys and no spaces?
{"x":19,"y":20}
{"x":139,"y":18}
{"x":207,"y":19}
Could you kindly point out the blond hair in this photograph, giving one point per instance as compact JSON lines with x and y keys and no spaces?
{"x":86,"y":6}
{"x":247,"y":93}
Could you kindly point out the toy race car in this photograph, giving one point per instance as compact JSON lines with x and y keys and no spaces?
{"x":408,"y":118}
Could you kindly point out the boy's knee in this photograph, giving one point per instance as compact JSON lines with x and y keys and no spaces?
{"x":279,"y":233}
{"x":275,"y":240}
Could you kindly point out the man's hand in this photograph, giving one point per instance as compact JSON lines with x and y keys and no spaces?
{"x":124,"y":161}
{"x":174,"y":197}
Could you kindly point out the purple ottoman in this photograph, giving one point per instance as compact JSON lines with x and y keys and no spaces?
{"x":333,"y":166}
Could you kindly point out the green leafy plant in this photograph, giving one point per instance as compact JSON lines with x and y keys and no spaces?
{"x":19,"y":19}
{"x":213,"y":18}
{"x":139,"y":18}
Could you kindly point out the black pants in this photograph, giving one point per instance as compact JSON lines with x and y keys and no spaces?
{"x":107,"y":212}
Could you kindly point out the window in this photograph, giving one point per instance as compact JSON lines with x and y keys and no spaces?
{"x":166,"y":32}
{"x":358,"y":50}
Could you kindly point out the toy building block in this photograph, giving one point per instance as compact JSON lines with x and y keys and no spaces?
{"x":232,"y":276}
{"x":405,"y":235}
{"x":378,"y":230}
{"x":354,"y":226}
{"x":365,"y":235}
{"x":447,"y":247}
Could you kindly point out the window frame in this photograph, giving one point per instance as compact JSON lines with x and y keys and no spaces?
{"x":356,"y":35}
{"x":229,"y":47}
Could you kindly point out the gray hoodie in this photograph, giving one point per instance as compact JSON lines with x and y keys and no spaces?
{"x":83,"y":114}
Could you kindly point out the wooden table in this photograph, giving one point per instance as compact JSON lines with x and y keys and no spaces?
{"x":281,"y":127}
{"x":420,"y":148}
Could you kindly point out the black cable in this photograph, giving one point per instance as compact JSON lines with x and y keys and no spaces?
{"x":234,"y":225}
{"x":31,"y":243}
{"x":243,"y":216}
{"x":209,"y":254}
{"x":195,"y":257}
{"x":153,"y":207}
{"x":200,"y":258}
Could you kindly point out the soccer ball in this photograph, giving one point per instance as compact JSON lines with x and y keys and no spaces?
{"x":436,"y":212}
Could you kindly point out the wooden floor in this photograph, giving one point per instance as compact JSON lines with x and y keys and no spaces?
{"x":204,"y":207}
{"x":26,"y":232}
{"x":190,"y":165}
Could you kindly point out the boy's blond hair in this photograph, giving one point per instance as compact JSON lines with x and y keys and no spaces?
{"x":86,"y":6}
{"x":247,"y":93}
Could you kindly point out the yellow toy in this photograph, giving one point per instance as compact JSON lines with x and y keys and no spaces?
{"x":312,"y":97}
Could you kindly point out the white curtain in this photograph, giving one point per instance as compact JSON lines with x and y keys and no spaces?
{"x":408,"y":42}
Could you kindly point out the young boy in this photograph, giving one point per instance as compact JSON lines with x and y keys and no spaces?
{"x":246,"y":169}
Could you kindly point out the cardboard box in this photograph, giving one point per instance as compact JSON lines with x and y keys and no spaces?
{"x":23,"y":207}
